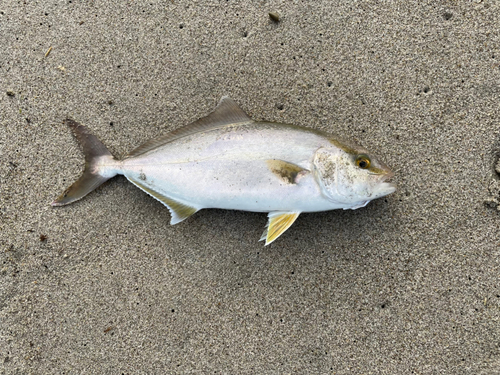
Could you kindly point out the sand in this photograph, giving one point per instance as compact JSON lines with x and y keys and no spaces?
{"x":407,"y":285}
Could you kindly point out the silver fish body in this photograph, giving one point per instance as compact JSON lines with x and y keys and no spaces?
{"x":229,"y":169}
{"x":228,"y":161}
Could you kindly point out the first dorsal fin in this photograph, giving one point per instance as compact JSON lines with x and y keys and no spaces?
{"x":226,"y":113}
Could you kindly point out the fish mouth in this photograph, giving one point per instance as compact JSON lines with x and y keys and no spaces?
{"x":387,"y":187}
{"x":385,"y":177}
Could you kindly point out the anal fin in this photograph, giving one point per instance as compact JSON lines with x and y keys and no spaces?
{"x":179,"y":211}
{"x":278,"y":223}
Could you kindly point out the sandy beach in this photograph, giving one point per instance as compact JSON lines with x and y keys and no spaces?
{"x":409,"y":284}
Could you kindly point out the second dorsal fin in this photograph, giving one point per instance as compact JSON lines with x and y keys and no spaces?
{"x":226,"y":113}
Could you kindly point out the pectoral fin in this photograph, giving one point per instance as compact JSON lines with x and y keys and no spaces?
{"x":179,"y":211}
{"x":285,"y":171}
{"x":278,"y":223}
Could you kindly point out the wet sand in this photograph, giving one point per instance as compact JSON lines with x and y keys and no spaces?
{"x":407,"y":285}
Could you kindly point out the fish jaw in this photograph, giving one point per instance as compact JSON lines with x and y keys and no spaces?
{"x":385,"y":187}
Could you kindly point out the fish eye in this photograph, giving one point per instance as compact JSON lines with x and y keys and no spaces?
{"x":363,"y":161}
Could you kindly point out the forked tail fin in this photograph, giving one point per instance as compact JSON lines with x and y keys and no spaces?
{"x":100,"y":166}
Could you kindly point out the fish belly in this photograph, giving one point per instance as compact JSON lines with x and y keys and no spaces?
{"x":236,"y":185}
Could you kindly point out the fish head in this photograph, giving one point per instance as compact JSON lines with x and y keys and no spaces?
{"x":351,"y":175}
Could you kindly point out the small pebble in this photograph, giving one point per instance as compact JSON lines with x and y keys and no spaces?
{"x":274,"y":16}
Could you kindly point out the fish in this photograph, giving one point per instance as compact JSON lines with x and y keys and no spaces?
{"x":228,"y":161}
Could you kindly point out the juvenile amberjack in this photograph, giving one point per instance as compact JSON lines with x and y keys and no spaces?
{"x":226,"y":160}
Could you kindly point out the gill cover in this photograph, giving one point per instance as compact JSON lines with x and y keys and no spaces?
{"x":325,"y":172}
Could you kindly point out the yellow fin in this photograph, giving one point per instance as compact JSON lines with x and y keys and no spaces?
{"x":179,"y":211}
{"x":287,"y":172}
{"x":278,"y":223}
